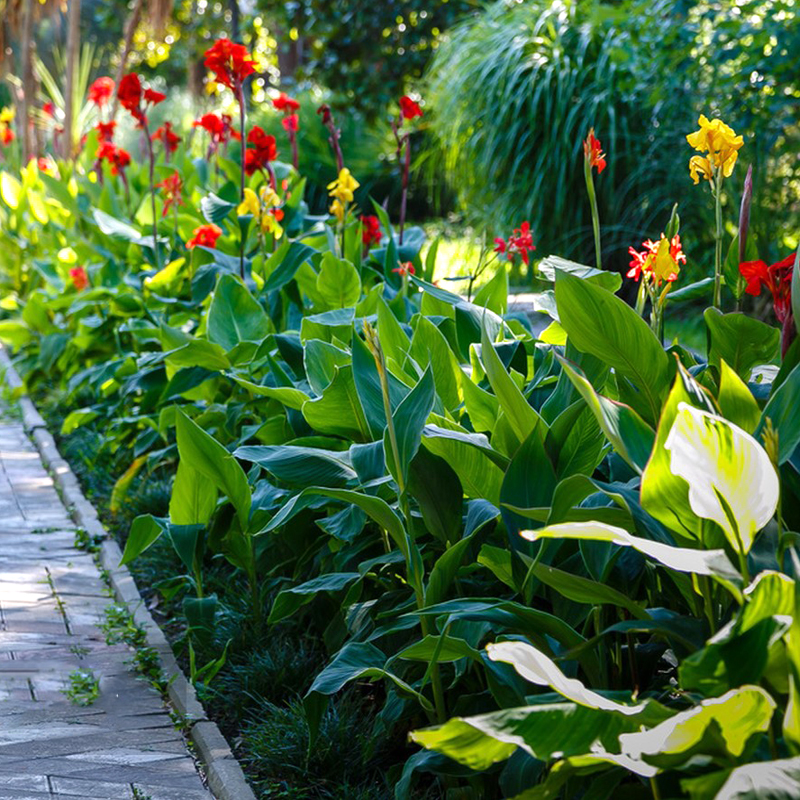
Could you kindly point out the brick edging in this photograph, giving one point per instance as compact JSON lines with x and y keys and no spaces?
{"x":225,"y":777}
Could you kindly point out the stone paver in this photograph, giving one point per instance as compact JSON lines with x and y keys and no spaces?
{"x":123,"y":746}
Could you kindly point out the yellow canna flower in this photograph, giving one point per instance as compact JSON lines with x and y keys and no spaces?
{"x":269,"y":197}
{"x":719,"y":142}
{"x":700,"y":167}
{"x":343,"y":187}
{"x":6,"y":115}
{"x":665,"y":265}
{"x":249,"y":205}
{"x":270,"y":224}
{"x":337,"y":209}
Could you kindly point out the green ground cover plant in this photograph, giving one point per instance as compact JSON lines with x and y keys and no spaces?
{"x":411,"y":544}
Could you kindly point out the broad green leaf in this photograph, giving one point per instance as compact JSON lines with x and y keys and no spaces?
{"x":724,"y":727}
{"x":782,"y":409}
{"x":214,"y":208}
{"x":320,"y":360}
{"x":284,"y":263}
{"x":235,"y":316}
{"x":743,"y":342}
{"x":545,"y":731}
{"x":494,"y":294}
{"x":663,"y":494}
{"x":145,"y":531}
{"x":289,"y":600}
{"x":713,"y":563}
{"x":550,"y":266}
{"x":393,"y":338}
{"x":75,"y":419}
{"x":409,"y":420}
{"x":762,"y":780}
{"x":604,"y":326}
{"x":301,"y":466}
{"x":540,"y":669}
{"x":736,"y":401}
{"x":199,"y":353}
{"x":338,"y":282}
{"x":338,"y":411}
{"x":205,"y":454}
{"x":522,"y":416}
{"x":450,"y":649}
{"x":122,"y":485}
{"x":116,"y":228}
{"x":194,"y":496}
{"x":478,"y":472}
{"x":288,"y":395}
{"x":10,"y":190}
{"x":630,"y":435}
{"x":435,"y":487}
{"x":14,"y":333}
{"x":430,"y":348}
{"x":482,"y":406}
{"x":730,"y":477}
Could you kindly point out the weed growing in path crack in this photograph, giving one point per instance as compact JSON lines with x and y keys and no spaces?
{"x":83,"y":687}
{"x":119,"y":626}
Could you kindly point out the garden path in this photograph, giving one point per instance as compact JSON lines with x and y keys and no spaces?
{"x":121,"y":747}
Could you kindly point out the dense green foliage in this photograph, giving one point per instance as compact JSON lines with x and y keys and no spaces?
{"x":410,"y":543}
{"x":510,"y":92}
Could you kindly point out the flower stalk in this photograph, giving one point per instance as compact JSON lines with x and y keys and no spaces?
{"x":593,"y":156}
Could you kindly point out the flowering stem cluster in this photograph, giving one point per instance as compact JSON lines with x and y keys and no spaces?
{"x":593,"y":157}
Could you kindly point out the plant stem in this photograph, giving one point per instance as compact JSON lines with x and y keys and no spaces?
{"x":718,"y":240}
{"x":152,"y":193}
{"x":240,"y":98}
{"x":654,"y":789}
{"x":587,"y":174}
{"x":404,"y":197}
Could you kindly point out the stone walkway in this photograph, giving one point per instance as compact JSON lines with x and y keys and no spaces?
{"x":121,"y":747}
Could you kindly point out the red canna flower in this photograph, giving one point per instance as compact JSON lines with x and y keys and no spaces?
{"x":230,"y":63}
{"x":49,"y":109}
{"x":325,"y":112}
{"x":593,"y":152}
{"x":151,"y":96}
{"x":105,"y":131}
{"x":117,"y":158}
{"x":135,"y":99}
{"x":205,"y":236}
{"x":520,"y":242}
{"x":6,"y":135}
{"x":778,"y":279}
{"x":173,"y":192}
{"x":408,"y":108}
{"x":45,"y":165}
{"x":166,"y":135}
{"x":129,"y":92}
{"x":370,"y":231}
{"x":80,"y":280}
{"x":263,"y":151}
{"x":290,"y":123}
{"x":406,"y":268}
{"x":101,"y":90}
{"x":285,"y":103}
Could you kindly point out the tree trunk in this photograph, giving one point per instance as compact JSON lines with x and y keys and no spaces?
{"x":26,"y":48}
{"x":130,"y":29}
{"x":73,"y":47}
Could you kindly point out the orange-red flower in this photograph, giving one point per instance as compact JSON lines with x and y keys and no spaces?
{"x":262,"y":152}
{"x":408,"y":108}
{"x":370,"y":230}
{"x":520,"y":242}
{"x":105,"y":131}
{"x":285,"y":103}
{"x":290,"y":123}
{"x":659,"y":260}
{"x":135,"y":99}
{"x":80,"y":280}
{"x":6,"y":135}
{"x":101,"y":90}
{"x":405,"y":268}
{"x":49,"y":109}
{"x":170,"y":139}
{"x":593,"y":152}
{"x":778,"y":279}
{"x":325,"y":112}
{"x":172,"y":186}
{"x":117,"y":158}
{"x":205,"y":236}
{"x":230,"y":63}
